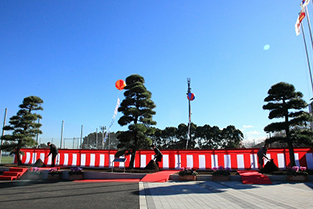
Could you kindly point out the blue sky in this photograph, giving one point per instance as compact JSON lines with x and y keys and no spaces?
{"x":70,"y":53}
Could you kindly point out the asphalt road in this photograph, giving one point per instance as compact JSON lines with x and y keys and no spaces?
{"x":67,"y":194}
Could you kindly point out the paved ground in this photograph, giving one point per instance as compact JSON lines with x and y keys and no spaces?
{"x":168,"y":195}
{"x":67,"y":194}
{"x":232,"y":194}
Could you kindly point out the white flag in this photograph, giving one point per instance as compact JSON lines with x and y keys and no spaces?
{"x":304,"y":3}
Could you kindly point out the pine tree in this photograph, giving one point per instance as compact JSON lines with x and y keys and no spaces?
{"x":23,"y":126}
{"x":284,"y":102}
{"x":137,"y":108}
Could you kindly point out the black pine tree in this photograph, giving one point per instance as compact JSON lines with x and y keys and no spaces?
{"x":284,"y":102}
{"x":23,"y":126}
{"x":137,"y":109}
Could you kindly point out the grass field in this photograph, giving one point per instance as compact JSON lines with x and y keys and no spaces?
{"x":6,"y":159}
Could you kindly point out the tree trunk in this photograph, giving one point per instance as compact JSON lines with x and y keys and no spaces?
{"x":18,"y":157}
{"x":291,"y":154}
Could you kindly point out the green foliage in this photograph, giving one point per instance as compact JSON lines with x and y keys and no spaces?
{"x":202,"y":137}
{"x":284,"y":102}
{"x":23,"y":127}
{"x":137,"y":109}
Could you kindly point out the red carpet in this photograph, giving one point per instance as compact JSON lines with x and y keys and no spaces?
{"x":253,"y":177}
{"x":161,"y":176}
{"x":108,"y":180}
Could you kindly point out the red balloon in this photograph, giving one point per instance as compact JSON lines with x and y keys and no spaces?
{"x":120,"y":84}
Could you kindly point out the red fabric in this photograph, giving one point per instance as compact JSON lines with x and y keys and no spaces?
{"x":161,"y":176}
{"x":108,"y":180}
{"x":253,"y":177}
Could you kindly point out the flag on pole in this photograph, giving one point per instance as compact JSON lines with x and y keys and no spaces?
{"x":113,"y":119}
{"x":304,"y":3}
{"x":298,"y":23}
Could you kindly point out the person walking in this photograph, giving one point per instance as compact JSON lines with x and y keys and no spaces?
{"x":262,"y":154}
{"x":54,"y":152}
{"x":158,"y":155}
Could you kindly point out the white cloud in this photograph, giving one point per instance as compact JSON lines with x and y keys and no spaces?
{"x":247,"y":126}
{"x":252,"y":133}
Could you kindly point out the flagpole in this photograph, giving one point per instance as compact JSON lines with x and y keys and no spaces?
{"x":309,"y":24}
{"x":189,"y":108}
{"x":307,"y":55}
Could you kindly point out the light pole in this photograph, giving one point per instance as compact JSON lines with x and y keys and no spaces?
{"x":102,"y":128}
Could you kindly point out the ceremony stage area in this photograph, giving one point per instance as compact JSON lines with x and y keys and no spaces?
{"x":236,"y":159}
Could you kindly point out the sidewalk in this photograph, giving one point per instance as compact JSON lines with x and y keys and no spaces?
{"x":231,"y":194}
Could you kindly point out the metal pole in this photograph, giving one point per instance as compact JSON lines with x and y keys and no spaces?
{"x":97,"y":138}
{"x":4,"y":122}
{"x":309,"y":25}
{"x":189,"y":108}
{"x":81,"y":137}
{"x":109,"y":141}
{"x":62,"y":130}
{"x":102,"y":128}
{"x":307,"y":55}
{"x":37,"y":133}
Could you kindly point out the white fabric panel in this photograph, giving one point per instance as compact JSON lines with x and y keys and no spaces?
{"x":309,"y":160}
{"x":214,"y":161}
{"x":101,"y":160}
{"x":227,"y":161}
{"x":74,"y":159}
{"x":165,"y":161}
{"x":281,"y":160}
{"x":92,"y":160}
{"x":65,"y":159}
{"x":189,"y":161}
{"x":254,"y":161}
{"x":240,"y":162}
{"x":27,"y":161}
{"x":34,"y":158}
{"x":297,"y":159}
{"x":177,"y":161}
{"x":143,"y":161}
{"x":201,"y":162}
{"x":111,"y":160}
{"x":49,"y":160}
{"x":83,"y":160}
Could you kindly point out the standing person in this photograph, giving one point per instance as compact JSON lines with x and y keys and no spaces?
{"x":262,"y":154}
{"x":53,"y":151}
{"x":158,"y":155}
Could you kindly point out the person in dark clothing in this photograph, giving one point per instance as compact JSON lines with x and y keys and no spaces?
{"x":53,"y":151}
{"x":158,"y":155}
{"x":262,"y":154}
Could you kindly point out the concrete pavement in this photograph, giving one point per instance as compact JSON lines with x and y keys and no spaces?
{"x":168,"y":195}
{"x":231,"y":194}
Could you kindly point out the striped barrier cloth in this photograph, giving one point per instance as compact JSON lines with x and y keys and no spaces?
{"x":172,"y":159}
